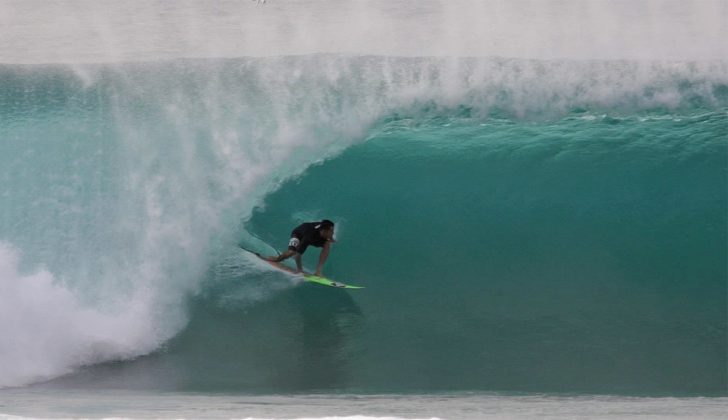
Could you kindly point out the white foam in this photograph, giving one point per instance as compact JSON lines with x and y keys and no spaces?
{"x":120,"y":404}
{"x":45,"y":331}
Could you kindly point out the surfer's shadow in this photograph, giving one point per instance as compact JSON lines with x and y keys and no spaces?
{"x":328,"y":325}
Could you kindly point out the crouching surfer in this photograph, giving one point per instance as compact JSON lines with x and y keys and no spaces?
{"x":318,"y":234}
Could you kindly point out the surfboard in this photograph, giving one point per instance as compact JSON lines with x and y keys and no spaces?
{"x":306,"y":276}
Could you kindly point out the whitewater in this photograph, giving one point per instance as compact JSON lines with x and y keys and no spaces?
{"x":533,"y":194}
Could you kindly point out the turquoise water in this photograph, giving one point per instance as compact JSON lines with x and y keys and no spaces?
{"x":579,"y":255}
{"x":523,"y":223}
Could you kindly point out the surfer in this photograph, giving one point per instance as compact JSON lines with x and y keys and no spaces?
{"x":318,"y":234}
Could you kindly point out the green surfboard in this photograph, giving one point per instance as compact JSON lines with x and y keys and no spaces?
{"x":329,"y":282}
{"x":306,"y":276}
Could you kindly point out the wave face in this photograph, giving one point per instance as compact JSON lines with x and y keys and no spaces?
{"x":584,"y":254}
{"x":554,"y":222}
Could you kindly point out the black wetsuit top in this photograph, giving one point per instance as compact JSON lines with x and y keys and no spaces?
{"x":307,"y":234}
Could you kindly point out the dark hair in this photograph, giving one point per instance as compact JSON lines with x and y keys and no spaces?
{"x":327,"y":224}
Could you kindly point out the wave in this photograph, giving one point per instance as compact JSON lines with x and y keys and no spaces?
{"x":123,"y":184}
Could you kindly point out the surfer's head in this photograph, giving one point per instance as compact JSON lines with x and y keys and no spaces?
{"x":326,"y":229}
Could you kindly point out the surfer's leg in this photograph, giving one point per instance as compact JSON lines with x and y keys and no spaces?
{"x":288,"y":254}
{"x":299,"y":264}
{"x":293,"y":245}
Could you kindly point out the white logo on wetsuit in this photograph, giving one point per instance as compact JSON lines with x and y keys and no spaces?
{"x":294,"y":242}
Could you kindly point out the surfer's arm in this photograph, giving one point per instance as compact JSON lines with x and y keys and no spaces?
{"x":323,"y":257}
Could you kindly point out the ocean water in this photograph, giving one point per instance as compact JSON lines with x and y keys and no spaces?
{"x":534,"y":194}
